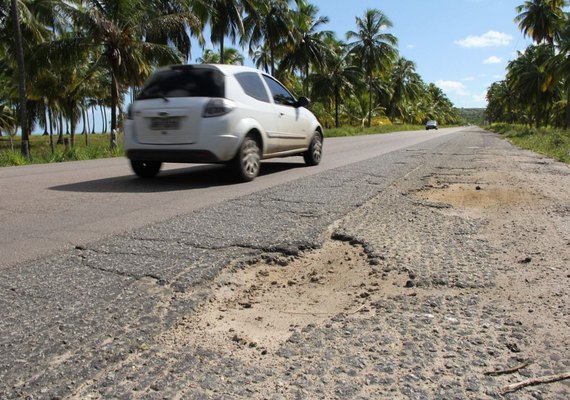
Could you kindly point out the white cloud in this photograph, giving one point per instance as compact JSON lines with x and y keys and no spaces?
{"x":489,"y":39}
{"x":493,"y":60}
{"x":455,"y":87}
{"x":468,"y":79}
{"x":411,"y":46}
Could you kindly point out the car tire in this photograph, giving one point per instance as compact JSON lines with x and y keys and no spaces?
{"x":146,"y":169}
{"x":314,"y":154}
{"x":247,"y":161}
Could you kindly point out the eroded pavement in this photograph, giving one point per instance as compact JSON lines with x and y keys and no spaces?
{"x":441,"y":271}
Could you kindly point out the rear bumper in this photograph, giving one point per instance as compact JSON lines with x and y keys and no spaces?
{"x":173,"y":156}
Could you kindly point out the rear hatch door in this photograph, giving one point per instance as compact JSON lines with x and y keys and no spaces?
{"x":169,"y":108}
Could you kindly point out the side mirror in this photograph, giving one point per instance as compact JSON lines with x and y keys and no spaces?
{"x":302,"y":102}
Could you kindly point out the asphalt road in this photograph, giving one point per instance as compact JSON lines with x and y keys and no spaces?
{"x":45,"y":209}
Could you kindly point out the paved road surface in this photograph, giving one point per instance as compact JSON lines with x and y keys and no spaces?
{"x":48,"y":208}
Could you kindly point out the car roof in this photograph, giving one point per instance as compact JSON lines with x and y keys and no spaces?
{"x":226,"y":69}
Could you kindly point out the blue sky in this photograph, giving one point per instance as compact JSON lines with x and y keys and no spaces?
{"x":460,"y":45}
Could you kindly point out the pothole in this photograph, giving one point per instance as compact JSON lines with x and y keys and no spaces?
{"x":259,"y":306}
{"x":478,"y":196}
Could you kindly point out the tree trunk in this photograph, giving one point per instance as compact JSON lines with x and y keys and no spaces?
{"x":113,"y":62}
{"x":336,"y":96}
{"x":307,"y":80}
{"x":113,"y":103}
{"x":222,"y":59}
{"x":51,"y":122}
{"x":60,"y":135}
{"x":567,"y":121}
{"x":84,"y":122}
{"x":72,"y":125}
{"x":21,"y":80}
{"x":93,"y":119}
{"x":87,"y":120}
{"x":103,"y":120}
{"x":370,"y":101}
{"x":86,"y":126}
{"x":46,"y":119}
{"x":271,"y":58}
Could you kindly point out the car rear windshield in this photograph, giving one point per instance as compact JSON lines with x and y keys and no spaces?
{"x":184,"y":81}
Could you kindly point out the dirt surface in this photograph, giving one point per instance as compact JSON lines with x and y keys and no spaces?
{"x":452,"y":282}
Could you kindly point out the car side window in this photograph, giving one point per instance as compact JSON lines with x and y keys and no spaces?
{"x":252,"y":85}
{"x":278,"y":91}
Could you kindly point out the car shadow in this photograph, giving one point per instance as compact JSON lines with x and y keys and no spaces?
{"x":195,"y":177}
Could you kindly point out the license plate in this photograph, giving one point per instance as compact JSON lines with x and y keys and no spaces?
{"x":165,"y":123}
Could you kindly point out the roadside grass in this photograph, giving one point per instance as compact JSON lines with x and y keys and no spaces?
{"x":359,"y":131}
{"x":40,"y":151}
{"x":554,"y":143}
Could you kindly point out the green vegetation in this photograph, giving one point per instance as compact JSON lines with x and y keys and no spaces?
{"x":531,"y":107}
{"x":83,"y":58}
{"x":359,"y":131}
{"x":536,"y":91}
{"x":554,"y":143}
{"x":41,"y":153}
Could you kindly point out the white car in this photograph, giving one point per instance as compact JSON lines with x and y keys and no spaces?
{"x":208,"y":113}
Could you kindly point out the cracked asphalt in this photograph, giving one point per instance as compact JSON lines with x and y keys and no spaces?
{"x":86,"y":323}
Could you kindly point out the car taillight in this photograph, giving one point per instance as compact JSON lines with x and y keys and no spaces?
{"x":218,"y":107}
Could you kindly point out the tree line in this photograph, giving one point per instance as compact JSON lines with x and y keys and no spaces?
{"x":63,"y":62}
{"x":536,"y":90}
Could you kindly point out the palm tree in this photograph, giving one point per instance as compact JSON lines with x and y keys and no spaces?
{"x":500,"y":102}
{"x":309,"y":46}
{"x":440,"y":107}
{"x":374,"y":48}
{"x":529,"y":76}
{"x":127,"y":38}
{"x":406,"y":87}
{"x":269,"y":23}
{"x":209,"y":56}
{"x":337,"y":77}
{"x":226,"y":19}
{"x":561,"y":63}
{"x":19,"y":50}
{"x":232,"y":57}
{"x":540,"y":19}
{"x":260,"y":56}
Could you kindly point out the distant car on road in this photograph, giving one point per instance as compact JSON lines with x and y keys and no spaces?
{"x":431,"y":124}
{"x":207,"y":113}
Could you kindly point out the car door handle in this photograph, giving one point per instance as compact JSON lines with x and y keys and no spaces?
{"x":281,"y":114}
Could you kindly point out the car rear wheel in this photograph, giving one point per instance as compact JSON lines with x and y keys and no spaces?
{"x":146,"y":169}
{"x":248,"y":159}
{"x":315,"y":152}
